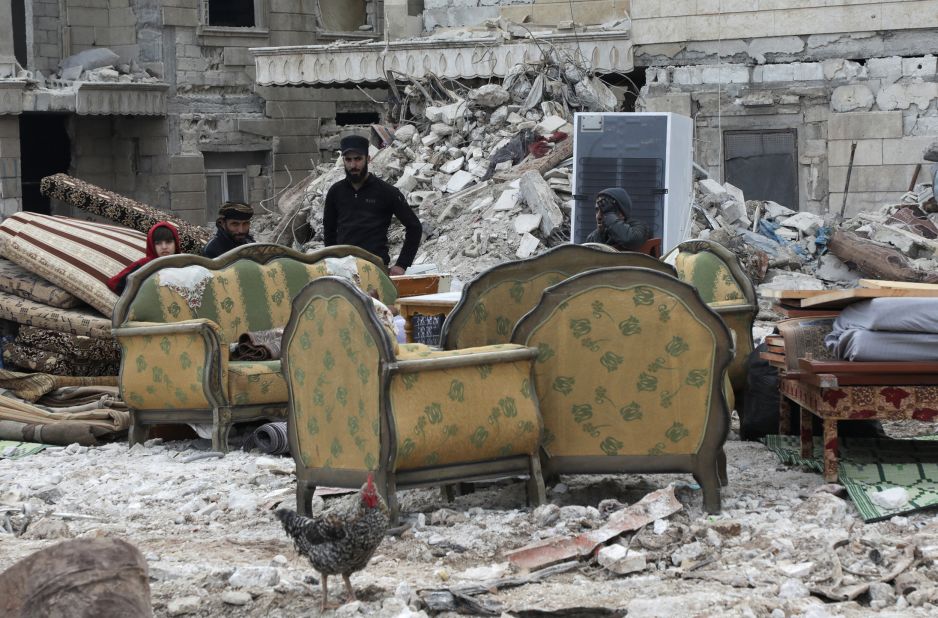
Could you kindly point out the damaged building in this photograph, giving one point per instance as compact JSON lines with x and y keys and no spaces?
{"x":153,"y":99}
{"x":191,"y":102}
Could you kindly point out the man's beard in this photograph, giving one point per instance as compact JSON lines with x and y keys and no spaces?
{"x":357,"y":176}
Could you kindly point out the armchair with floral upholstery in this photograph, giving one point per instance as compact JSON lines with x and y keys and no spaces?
{"x":718,"y":277}
{"x":413,"y":416}
{"x":630,"y":376}
{"x":492,"y":303}
{"x":179,"y":314}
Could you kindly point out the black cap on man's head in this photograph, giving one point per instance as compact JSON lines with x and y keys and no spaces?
{"x":354,"y":143}
{"x":235,"y":211}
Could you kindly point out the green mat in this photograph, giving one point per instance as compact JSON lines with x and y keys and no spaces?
{"x":870,"y":465}
{"x":10,"y":449}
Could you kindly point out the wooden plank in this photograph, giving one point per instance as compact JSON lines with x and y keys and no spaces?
{"x":866,"y":367}
{"x":773,"y":358}
{"x":789,"y":312}
{"x":791,"y":294}
{"x":841,"y":298}
{"x":899,"y":285}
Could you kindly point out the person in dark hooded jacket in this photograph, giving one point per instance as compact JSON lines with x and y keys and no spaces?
{"x":613,"y":225}
{"x":162,"y":240}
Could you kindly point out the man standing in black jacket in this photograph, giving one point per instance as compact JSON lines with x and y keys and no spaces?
{"x":358,"y":209}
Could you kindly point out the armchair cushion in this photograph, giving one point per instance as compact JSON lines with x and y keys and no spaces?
{"x":256,"y":382}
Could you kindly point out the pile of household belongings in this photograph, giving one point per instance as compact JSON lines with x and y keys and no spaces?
{"x":482,"y":167}
{"x":60,"y":370}
{"x":782,"y":249}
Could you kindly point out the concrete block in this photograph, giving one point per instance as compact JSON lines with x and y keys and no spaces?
{"x":295,"y":145}
{"x":887,"y":69}
{"x":862,"y":125}
{"x":10,"y":206}
{"x":10,"y":187}
{"x":869,"y":152}
{"x":87,"y":16}
{"x":903,"y":96}
{"x":726,"y":74}
{"x":852,"y":98}
{"x":196,"y":216}
{"x":153,"y":146}
{"x":187,"y":182}
{"x":9,"y":147}
{"x":180,"y":17}
{"x":677,"y":102}
{"x":881,"y":178}
{"x":183,"y":164}
{"x":688,"y":76}
{"x":919,"y":67}
{"x":9,"y":167}
{"x":188,"y":200}
{"x":237,"y":56}
{"x":907,"y":150}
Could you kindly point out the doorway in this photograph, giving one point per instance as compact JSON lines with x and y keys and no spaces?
{"x":44,"y":150}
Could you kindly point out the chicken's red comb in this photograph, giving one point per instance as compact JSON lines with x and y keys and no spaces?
{"x":371,"y":480}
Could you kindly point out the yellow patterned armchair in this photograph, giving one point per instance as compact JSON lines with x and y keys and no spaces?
{"x":492,"y":303}
{"x":630,"y":376}
{"x":716,"y":274}
{"x":413,"y":416}
{"x":178,"y":316}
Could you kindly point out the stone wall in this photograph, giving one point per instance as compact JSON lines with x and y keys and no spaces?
{"x":664,"y":21}
{"x":100,"y":23}
{"x":888,"y":106}
{"x":10,"y":189}
{"x":457,"y":13}
{"x":46,"y":39}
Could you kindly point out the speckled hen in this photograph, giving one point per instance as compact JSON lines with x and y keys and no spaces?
{"x":340,"y":543}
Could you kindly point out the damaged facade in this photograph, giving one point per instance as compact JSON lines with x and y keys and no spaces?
{"x":172,"y":118}
{"x":781,"y":93}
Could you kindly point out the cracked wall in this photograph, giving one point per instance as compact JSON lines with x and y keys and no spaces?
{"x":468,"y":13}
{"x":888,"y":106}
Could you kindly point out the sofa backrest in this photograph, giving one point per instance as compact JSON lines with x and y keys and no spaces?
{"x":631,"y":363}
{"x":493,"y":302}
{"x":333,"y":346}
{"x":714,"y":271}
{"x":246,"y":293}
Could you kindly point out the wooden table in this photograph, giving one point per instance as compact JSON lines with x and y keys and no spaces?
{"x":425,"y":304}
{"x":847,"y":391}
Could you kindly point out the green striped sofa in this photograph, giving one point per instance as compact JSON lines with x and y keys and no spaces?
{"x":179,"y":315}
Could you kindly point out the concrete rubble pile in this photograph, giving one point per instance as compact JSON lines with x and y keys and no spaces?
{"x":99,"y":64}
{"x":784,"y":249}
{"x":455,"y":157}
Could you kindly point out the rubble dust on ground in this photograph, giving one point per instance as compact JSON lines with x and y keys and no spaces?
{"x":206,"y":528}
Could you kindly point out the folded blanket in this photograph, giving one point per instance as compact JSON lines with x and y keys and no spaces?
{"x":14,"y":279}
{"x":858,"y":344}
{"x":258,"y":346}
{"x":32,"y":386}
{"x":271,"y":438}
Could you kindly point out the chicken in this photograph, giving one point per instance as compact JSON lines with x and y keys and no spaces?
{"x":340,"y":543}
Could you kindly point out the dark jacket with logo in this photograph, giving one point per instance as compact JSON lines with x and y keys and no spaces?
{"x":362,"y":218}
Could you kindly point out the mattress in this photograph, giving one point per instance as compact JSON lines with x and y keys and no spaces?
{"x":80,"y":348}
{"x":14,"y":279}
{"x":907,"y":315}
{"x":857,"y":344}
{"x":75,"y":321}
{"x":123,"y":210}
{"x":77,"y":256}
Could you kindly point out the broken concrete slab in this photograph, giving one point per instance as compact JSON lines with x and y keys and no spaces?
{"x":734,"y":192}
{"x":489,"y":95}
{"x":508,"y":200}
{"x":536,"y":193}
{"x":774,"y":210}
{"x":527,"y":223}
{"x":528,"y":246}
{"x":708,"y":186}
{"x":550,"y":124}
{"x":832,"y":268}
{"x":621,"y":560}
{"x":807,"y":223}
{"x":451,"y":167}
{"x":459,"y":181}
{"x":656,"y":505}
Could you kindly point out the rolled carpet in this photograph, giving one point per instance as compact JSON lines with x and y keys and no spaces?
{"x":78,"y":347}
{"x":271,"y":438}
{"x":123,"y":210}
{"x":55,"y":363}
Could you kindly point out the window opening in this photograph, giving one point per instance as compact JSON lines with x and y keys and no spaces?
{"x":764,"y":164}
{"x":231,"y":13}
